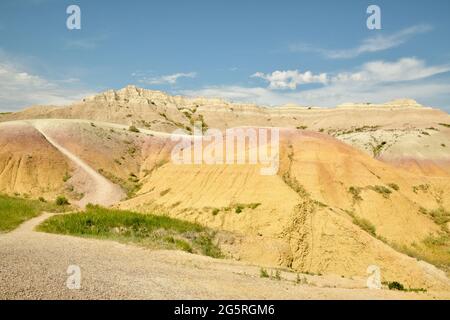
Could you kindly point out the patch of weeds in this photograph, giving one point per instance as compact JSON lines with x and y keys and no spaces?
{"x":356,"y":193}
{"x":66,"y":177}
{"x":215,"y":211}
{"x":385,"y":192}
{"x":394,"y":186}
{"x":130,"y":186}
{"x":395,"y":285}
{"x":422,"y":187}
{"x":263,"y":273}
{"x":302,"y":127}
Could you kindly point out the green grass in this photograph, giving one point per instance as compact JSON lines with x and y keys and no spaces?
{"x":365,"y":224}
{"x":14,"y":211}
{"x":159,"y":232}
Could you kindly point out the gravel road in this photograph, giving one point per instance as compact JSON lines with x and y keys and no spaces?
{"x":33,"y":265}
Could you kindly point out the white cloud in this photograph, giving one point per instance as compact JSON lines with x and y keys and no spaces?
{"x":372,"y":44}
{"x":21,"y":88}
{"x":405,"y":69}
{"x":166,"y":79}
{"x":375,"y":82}
{"x":290,"y":79}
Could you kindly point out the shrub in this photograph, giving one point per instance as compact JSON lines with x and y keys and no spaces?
{"x":41,"y":199}
{"x":385,"y":192}
{"x":394,"y":186}
{"x":62,"y":201}
{"x":396,"y":286}
{"x":215,"y":211}
{"x":356,"y":193}
{"x":263,"y":273}
{"x":133,"y":129}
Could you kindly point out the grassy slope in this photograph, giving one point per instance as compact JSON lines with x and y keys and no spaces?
{"x":143,"y":229}
{"x":14,"y":211}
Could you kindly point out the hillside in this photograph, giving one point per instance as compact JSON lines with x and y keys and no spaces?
{"x":357,"y":185}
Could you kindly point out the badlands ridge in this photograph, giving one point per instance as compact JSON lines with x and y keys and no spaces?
{"x":358,"y":185}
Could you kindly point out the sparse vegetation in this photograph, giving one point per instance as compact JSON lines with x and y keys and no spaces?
{"x":61,"y":201}
{"x":385,"y":192}
{"x":394,"y":285}
{"x":143,"y":229}
{"x":356,"y":193}
{"x":301,"y":280}
{"x":130,"y":186}
{"x":14,"y":210}
{"x":365,"y":224}
{"x":422,"y":187}
{"x":66,"y":177}
{"x":376,"y":149}
{"x":302,"y":127}
{"x":394,"y":186}
{"x":445,"y":124}
{"x":263,"y":273}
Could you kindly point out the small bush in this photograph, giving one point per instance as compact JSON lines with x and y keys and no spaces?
{"x":356,"y":193}
{"x":41,"y":199}
{"x":62,"y":201}
{"x":396,"y":286}
{"x":263,"y":273}
{"x":215,"y":211}
{"x":394,"y":186}
{"x":385,"y":192}
{"x":133,"y":129}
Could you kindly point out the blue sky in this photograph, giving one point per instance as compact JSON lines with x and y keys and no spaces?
{"x":268,"y":52}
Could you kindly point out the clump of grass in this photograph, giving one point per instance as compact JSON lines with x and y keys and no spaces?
{"x":133,"y":129}
{"x":440,"y":215}
{"x":394,"y":186}
{"x":263,"y":273}
{"x":15,"y":210}
{"x":422,"y":187}
{"x":62,"y":201}
{"x":356,"y":193}
{"x":130,"y":227}
{"x":385,"y":192}
{"x":364,"y":224}
{"x":215,"y":211}
{"x":302,"y":127}
{"x":66,"y":177}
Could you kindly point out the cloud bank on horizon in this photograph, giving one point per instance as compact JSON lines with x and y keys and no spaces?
{"x":196,"y":51}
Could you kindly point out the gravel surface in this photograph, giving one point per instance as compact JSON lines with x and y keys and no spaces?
{"x":33,"y":265}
